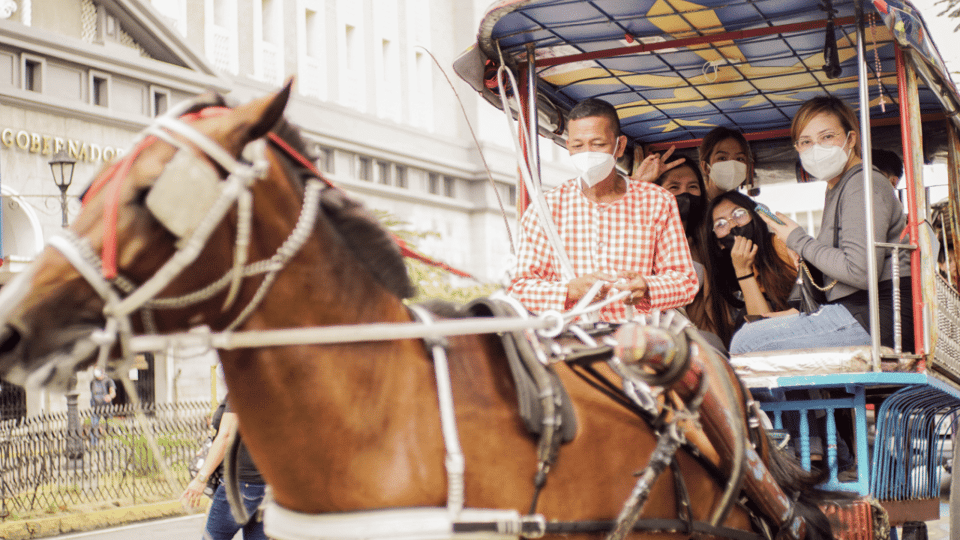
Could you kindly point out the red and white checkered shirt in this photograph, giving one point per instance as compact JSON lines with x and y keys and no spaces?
{"x":640,"y":232}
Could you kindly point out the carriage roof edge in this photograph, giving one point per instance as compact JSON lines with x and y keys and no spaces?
{"x":632,"y":61}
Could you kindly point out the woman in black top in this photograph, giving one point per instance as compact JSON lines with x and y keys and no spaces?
{"x":220,"y":523}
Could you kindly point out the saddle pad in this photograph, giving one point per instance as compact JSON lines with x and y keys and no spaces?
{"x":522,"y":361}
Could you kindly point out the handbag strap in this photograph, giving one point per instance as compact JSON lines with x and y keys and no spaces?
{"x":805,"y":270}
{"x":836,"y":238}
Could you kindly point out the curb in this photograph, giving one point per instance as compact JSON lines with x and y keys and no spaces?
{"x":88,"y":521}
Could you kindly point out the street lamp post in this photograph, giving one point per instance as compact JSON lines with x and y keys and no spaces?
{"x":61,"y":166}
{"x":74,"y":433}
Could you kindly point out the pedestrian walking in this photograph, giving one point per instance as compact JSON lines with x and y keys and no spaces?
{"x":102,"y":393}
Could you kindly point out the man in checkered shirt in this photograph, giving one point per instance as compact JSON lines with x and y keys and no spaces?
{"x":622,"y":232}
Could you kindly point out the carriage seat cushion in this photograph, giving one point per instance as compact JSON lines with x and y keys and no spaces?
{"x":761,"y":369}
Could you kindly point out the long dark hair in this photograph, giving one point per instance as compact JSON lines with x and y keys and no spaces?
{"x":693,"y":225}
{"x":775,"y":275}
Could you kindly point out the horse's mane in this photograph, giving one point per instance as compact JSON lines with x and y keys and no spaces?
{"x":802,"y":486}
{"x":360,"y":231}
{"x":358,"y":228}
{"x":369,"y":241}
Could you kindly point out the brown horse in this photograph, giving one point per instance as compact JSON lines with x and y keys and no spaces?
{"x":335,"y":427}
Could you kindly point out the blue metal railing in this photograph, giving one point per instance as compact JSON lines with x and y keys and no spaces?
{"x":911,"y":428}
{"x":912,"y":425}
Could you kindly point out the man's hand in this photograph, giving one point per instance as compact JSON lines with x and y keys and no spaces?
{"x":742,"y":254}
{"x":633,"y":282}
{"x":579,"y":286}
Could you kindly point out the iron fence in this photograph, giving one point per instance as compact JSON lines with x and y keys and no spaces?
{"x":48,"y":463}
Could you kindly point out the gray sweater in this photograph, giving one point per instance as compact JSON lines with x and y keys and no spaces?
{"x":847,"y":262}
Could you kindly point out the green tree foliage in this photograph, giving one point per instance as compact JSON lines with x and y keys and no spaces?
{"x":432,"y":282}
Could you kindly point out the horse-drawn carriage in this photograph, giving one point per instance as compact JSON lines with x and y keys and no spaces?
{"x":374,"y":419}
{"x":675,"y":70}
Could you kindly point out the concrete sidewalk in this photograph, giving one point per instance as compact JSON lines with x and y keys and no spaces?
{"x":88,"y":521}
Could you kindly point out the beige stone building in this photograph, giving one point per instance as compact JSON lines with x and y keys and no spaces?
{"x":85,"y":76}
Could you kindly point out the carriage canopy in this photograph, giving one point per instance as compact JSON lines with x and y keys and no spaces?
{"x":675,"y":69}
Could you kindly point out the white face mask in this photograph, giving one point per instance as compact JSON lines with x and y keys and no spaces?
{"x":594,"y":166}
{"x":824,"y":162}
{"x":728,"y":175}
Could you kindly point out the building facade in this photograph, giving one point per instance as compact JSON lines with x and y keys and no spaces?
{"x":85,"y":76}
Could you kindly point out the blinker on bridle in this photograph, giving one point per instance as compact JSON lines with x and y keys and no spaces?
{"x":193,"y":223}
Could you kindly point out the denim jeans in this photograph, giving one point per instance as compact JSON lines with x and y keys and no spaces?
{"x":220,"y":523}
{"x":99,"y":410}
{"x":831,"y":326}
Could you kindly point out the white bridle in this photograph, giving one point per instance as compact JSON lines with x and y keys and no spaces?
{"x":186,"y":171}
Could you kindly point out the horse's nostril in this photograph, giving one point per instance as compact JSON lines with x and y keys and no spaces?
{"x":9,"y":339}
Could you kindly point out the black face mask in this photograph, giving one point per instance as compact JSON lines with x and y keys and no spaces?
{"x":745,"y":231}
{"x":691,"y":210}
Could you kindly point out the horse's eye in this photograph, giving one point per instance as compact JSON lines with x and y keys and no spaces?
{"x":140,"y":198}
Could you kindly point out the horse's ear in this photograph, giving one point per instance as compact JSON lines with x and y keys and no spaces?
{"x":256,"y":118}
{"x":272,"y":112}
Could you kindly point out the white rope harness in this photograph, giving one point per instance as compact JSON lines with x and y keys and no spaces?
{"x":454,"y":461}
{"x":531,"y":175}
{"x":235,"y":190}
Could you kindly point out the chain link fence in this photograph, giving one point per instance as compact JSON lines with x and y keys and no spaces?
{"x":51,"y":463}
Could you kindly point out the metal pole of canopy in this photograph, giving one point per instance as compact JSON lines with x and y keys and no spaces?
{"x":2,"y":254}
{"x":953,"y":160}
{"x":865,"y":154}
{"x":908,"y":101}
{"x":529,"y":133}
{"x":533,"y":119}
{"x":523,"y":198}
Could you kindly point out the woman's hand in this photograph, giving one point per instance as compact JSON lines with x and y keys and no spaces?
{"x":653,"y":166}
{"x":193,"y":495}
{"x":743,"y":253}
{"x":782,"y":231}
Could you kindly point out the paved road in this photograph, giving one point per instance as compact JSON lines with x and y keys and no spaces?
{"x":940,"y":530}
{"x":191,"y":527}
{"x":182,"y":528}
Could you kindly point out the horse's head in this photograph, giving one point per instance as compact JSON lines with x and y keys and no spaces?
{"x":140,"y":213}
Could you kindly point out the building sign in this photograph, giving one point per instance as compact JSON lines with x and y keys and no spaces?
{"x":39,"y":143}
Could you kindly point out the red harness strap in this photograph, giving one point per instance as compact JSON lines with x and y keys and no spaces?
{"x":119,"y":170}
{"x":116,"y":171}
{"x":409,"y":252}
{"x":405,"y":249}
{"x":297,"y":156}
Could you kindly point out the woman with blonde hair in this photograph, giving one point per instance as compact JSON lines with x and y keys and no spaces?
{"x":826,"y":135}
